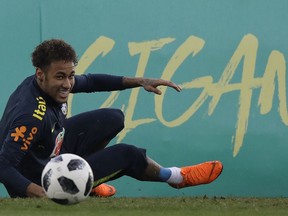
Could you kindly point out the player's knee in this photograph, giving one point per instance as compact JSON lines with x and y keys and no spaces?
{"x":133,"y":154}
{"x":135,"y":159}
{"x":117,"y":118}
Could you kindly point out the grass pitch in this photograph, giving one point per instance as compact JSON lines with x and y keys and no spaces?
{"x":178,"y":206}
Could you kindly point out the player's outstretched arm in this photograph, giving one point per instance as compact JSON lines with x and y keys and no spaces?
{"x":149,"y":84}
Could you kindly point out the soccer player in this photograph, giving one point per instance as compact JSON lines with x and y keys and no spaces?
{"x":34,"y":128}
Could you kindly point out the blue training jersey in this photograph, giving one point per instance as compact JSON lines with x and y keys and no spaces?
{"x":31,"y":128}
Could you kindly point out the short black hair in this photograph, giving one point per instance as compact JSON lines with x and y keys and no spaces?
{"x":53,"y":50}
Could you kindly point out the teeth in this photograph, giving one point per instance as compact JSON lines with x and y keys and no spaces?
{"x":64,"y":92}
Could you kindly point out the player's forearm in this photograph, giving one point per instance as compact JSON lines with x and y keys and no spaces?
{"x":97,"y":82}
{"x":12,"y":178}
{"x":132,"y":82}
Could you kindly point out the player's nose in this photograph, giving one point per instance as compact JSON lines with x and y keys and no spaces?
{"x":67,"y":83}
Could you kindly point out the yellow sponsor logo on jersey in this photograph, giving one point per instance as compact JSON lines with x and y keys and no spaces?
{"x":40,"y":112}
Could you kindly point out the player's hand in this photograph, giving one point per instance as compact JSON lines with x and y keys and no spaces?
{"x":34,"y":190}
{"x":151,"y":85}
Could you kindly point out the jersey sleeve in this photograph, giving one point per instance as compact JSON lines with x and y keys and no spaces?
{"x":20,"y":137}
{"x":97,"y":82}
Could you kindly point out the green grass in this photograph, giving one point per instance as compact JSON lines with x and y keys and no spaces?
{"x":148,"y":206}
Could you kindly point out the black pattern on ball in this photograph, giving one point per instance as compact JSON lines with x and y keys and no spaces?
{"x":88,"y":184}
{"x":57,"y":159}
{"x":68,"y":185}
{"x":61,"y":201}
{"x":75,"y":164}
{"x":47,"y":179}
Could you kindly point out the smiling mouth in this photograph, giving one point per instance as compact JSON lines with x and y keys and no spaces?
{"x":64,"y":93}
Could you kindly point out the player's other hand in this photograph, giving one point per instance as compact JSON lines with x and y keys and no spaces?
{"x":151,"y":85}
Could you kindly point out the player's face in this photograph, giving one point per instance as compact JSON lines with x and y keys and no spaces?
{"x":58,"y":80}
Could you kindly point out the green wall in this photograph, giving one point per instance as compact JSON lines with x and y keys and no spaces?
{"x":228,"y":55}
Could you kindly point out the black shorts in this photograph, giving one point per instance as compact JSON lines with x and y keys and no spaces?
{"x":87,"y":135}
{"x":91,"y":131}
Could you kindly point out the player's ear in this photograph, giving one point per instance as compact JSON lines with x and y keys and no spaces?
{"x":39,"y":74}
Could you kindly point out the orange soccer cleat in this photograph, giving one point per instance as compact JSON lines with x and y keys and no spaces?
{"x":103,"y":190}
{"x":203,"y":173}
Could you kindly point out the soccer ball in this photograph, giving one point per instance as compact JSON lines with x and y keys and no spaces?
{"x":67,"y":179}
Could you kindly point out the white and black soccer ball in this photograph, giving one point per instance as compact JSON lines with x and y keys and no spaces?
{"x":67,"y":179}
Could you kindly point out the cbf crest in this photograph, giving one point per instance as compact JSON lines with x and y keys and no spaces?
{"x":64,"y":108}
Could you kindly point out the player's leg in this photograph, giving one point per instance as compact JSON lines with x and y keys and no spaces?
{"x":122,"y":159}
{"x":91,"y":131}
{"x":117,"y":160}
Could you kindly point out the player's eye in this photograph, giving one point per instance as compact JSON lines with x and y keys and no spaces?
{"x":71,"y":76}
{"x":59,"y":77}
